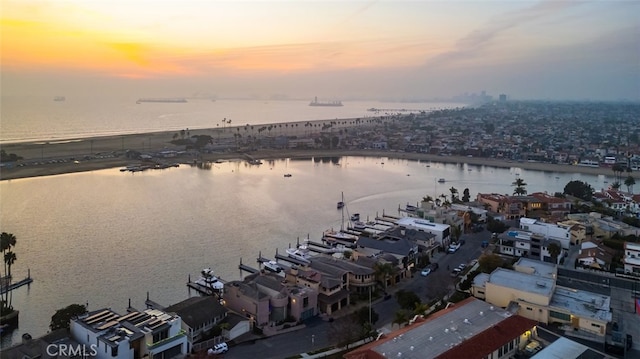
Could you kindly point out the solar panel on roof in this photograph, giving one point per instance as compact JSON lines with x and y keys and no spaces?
{"x":107,"y":325}
{"x":97,"y":317}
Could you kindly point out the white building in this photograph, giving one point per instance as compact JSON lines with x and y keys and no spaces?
{"x":559,"y":232}
{"x":441,"y":231}
{"x":631,"y":258}
{"x":152,"y":333}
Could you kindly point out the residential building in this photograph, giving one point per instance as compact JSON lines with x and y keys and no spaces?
{"x":510,"y":207}
{"x":595,"y":255}
{"x":150,"y":333}
{"x":559,"y":232}
{"x":266,"y":299}
{"x":199,"y":315}
{"x":531,"y":289}
{"x":631,"y":259}
{"x":468,"y":329}
{"x":441,"y":231}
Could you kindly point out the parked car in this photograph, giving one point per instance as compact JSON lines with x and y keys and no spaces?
{"x":433,"y":266}
{"x":425,"y":272}
{"x":462,"y":242}
{"x":218,"y":349}
{"x":484,"y":244}
{"x":532,"y":348}
{"x":453,"y":248}
{"x":462,"y":266}
{"x":455,"y":272}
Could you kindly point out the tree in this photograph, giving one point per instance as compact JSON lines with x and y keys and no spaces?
{"x":465,"y":195}
{"x":519,"y":184}
{"x":400,"y":317}
{"x":456,"y":232}
{"x":407,"y":300}
{"x":629,"y":182}
{"x":617,"y":171}
{"x":579,"y":189}
{"x":7,"y":242}
{"x":489,"y":262}
{"x":554,"y":250}
{"x":343,"y":331}
{"x":454,"y":194}
{"x":382,"y":272}
{"x":62,"y":318}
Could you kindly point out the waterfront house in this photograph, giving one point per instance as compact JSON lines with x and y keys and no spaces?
{"x":267,"y":299}
{"x":199,"y":315}
{"x":150,"y":333}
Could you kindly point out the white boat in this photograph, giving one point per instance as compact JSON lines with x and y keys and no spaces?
{"x":272,"y":266}
{"x":359,"y":225}
{"x":355,"y":217}
{"x":209,"y":280}
{"x":441,"y":180}
{"x":301,"y":253}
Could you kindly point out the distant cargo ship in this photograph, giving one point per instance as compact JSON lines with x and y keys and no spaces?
{"x":329,"y":104}
{"x":170,"y":100}
{"x":59,"y":98}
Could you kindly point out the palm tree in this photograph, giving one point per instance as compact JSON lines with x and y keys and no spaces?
{"x":421,"y":308}
{"x":7,"y":241}
{"x":629,"y":182}
{"x":400,"y":318}
{"x":454,"y":193}
{"x":617,"y":171}
{"x":519,"y":190}
{"x":383,"y":271}
{"x":456,"y":232}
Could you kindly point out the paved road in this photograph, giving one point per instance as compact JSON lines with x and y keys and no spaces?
{"x":314,"y":337}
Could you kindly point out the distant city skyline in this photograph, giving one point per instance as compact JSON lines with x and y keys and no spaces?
{"x":400,"y":50}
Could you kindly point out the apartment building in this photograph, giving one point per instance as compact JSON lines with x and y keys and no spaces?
{"x":631,"y":259}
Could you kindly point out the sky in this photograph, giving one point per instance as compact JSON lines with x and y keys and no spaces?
{"x":401,"y":50}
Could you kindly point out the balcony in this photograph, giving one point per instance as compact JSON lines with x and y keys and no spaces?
{"x":176,"y":337}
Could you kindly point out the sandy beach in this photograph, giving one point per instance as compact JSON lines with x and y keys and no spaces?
{"x":96,"y":153}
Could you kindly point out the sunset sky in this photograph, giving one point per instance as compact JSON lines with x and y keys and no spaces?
{"x":332,"y":49}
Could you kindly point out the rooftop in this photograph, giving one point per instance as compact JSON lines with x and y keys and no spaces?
{"x":564,"y":348}
{"x":537,"y":267}
{"x":582,"y":303}
{"x":421,"y":224}
{"x":530,"y":283}
{"x":446,"y":330}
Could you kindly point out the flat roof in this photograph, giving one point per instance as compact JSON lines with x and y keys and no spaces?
{"x":530,"y":283}
{"x":542,"y":269}
{"x":421,"y":224}
{"x":582,"y":303}
{"x":440,"y":334}
{"x":564,"y":348}
{"x":632,"y":246}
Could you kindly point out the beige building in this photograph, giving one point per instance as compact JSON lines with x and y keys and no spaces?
{"x":531,"y":289}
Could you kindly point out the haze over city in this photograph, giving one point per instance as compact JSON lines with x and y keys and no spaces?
{"x":400,"y":50}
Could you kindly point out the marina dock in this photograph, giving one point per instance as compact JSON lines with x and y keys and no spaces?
{"x":7,"y":288}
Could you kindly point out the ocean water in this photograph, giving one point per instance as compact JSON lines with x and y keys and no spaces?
{"x":105,"y":237}
{"x":41,"y":118}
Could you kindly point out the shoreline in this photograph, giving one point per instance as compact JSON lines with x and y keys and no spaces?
{"x":104,"y":152}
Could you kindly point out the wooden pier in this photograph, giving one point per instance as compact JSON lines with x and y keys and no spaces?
{"x":7,"y":288}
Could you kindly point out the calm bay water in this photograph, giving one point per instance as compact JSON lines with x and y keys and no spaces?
{"x":105,"y":237}
{"x":41,"y":118}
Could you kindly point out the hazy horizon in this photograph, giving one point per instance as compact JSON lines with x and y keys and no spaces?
{"x":407,"y":50}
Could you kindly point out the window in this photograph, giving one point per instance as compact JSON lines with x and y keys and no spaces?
{"x":529,"y":308}
{"x":561,"y":316}
{"x":595,"y":325}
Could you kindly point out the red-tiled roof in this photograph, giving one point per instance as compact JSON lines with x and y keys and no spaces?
{"x":490,"y":340}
